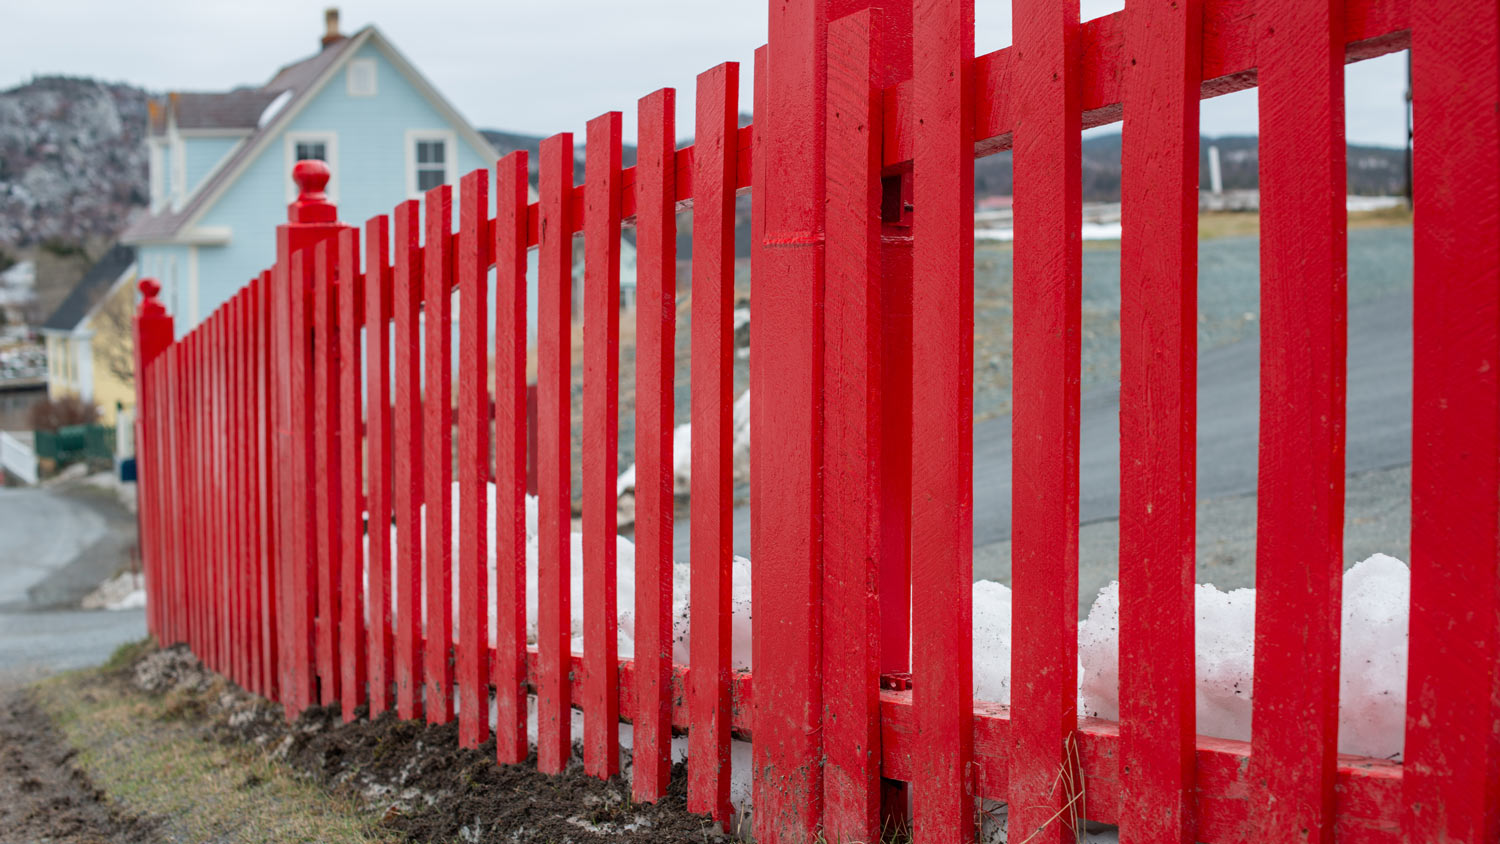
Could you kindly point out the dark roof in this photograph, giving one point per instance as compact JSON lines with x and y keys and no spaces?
{"x":237,"y":109}
{"x":241,"y":108}
{"x":95,"y":285}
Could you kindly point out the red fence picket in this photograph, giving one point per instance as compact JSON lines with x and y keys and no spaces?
{"x":287,"y":437}
{"x":1158,"y":418}
{"x":509,"y":662}
{"x":601,"y":415}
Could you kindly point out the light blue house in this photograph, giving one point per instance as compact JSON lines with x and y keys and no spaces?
{"x":221,"y":162}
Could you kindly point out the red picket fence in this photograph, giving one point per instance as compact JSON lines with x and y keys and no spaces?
{"x":264,"y":441}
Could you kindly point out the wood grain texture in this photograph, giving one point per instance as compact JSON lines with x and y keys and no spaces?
{"x":942,"y":516}
{"x":852,"y":434}
{"x":379,"y":444}
{"x":655,"y":373}
{"x":437,"y":456}
{"x":601,"y":444}
{"x":1300,"y":505}
{"x":509,"y":662}
{"x":473,"y":460}
{"x":785,"y":380}
{"x":1044,"y":788}
{"x":554,"y":453}
{"x":407,"y":459}
{"x":302,"y":578}
{"x":327,"y":489}
{"x":352,"y":450}
{"x":1158,"y":417}
{"x":712,"y":527}
{"x":1452,"y":772}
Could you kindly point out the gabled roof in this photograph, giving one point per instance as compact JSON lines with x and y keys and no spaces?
{"x":95,"y":286}
{"x":297,"y":85}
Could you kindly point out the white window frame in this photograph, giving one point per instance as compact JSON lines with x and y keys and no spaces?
{"x":352,"y":73}
{"x":330,"y":141}
{"x":450,"y":157}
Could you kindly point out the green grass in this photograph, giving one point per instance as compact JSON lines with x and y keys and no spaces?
{"x":157,"y":764}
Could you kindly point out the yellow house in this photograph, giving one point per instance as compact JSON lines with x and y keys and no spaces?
{"x":90,"y":344}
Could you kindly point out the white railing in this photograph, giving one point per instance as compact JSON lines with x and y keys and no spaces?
{"x":18,"y":456}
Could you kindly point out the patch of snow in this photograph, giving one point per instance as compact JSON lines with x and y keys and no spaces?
{"x":124,"y":591}
{"x":273,"y":108}
{"x":1372,"y":671}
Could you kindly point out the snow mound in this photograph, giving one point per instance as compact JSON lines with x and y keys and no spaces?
{"x":1372,"y":671}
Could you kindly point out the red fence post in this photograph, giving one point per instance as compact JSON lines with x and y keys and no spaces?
{"x":1158,"y":417}
{"x":1451,"y":780}
{"x":785,"y":378}
{"x":311,"y":219}
{"x":1043,"y":788}
{"x":153,"y":334}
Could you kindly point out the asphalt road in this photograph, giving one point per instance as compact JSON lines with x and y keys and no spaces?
{"x":55,"y":547}
{"x":1378,"y":454}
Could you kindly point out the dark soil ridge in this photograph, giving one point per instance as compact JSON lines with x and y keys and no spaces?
{"x":43,"y":795}
{"x":425,"y":786}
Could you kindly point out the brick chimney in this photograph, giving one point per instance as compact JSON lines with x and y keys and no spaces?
{"x":331,"y":34}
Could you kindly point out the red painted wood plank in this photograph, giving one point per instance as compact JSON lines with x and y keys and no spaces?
{"x":554,"y":504}
{"x":942,"y":419}
{"x":378,"y":311}
{"x":1158,"y":417}
{"x":1043,"y":777}
{"x":509,"y":663}
{"x":1300,"y":505}
{"x":266,"y":466}
{"x":1230,"y":38}
{"x":1369,"y":789}
{"x":279,"y":427}
{"x":249,"y":488}
{"x":601,"y":415}
{"x":655,"y":367}
{"x":327,"y":488}
{"x":256,"y":547}
{"x":785,"y":378}
{"x":1452,"y":785}
{"x":437,"y":436}
{"x":302,"y":582}
{"x":407,"y":459}
{"x":852,"y":433}
{"x":473,"y":461}
{"x":350,"y":522}
{"x":213,"y":532}
{"x":234,"y":498}
{"x":712,"y":362}
{"x":198,"y":598}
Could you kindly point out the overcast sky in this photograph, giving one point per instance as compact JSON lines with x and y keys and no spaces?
{"x":535,"y":67}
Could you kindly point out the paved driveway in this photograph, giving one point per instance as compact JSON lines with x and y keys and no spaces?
{"x":55,"y":547}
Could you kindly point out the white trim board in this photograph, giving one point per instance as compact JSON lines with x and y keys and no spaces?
{"x":330,"y":141}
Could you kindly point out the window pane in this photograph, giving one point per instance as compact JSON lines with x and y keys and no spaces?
{"x":309,"y":150}
{"x":424,"y":152}
{"x":437,"y":152}
{"x":428,"y":179}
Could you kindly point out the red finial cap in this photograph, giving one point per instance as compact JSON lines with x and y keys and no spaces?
{"x":311,"y":205}
{"x":150,"y":305}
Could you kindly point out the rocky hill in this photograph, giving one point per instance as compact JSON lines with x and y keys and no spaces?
{"x":73,"y":161}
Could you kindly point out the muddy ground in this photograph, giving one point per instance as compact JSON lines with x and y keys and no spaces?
{"x":398,"y":780}
{"x":44,"y":796}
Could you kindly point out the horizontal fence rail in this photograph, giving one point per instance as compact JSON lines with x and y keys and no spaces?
{"x":304,"y":452}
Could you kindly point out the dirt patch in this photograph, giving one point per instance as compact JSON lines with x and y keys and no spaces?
{"x":43,"y":795}
{"x":415,"y":776}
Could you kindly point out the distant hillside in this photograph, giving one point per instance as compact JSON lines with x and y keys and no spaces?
{"x":73,"y":161}
{"x":1373,"y":171}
